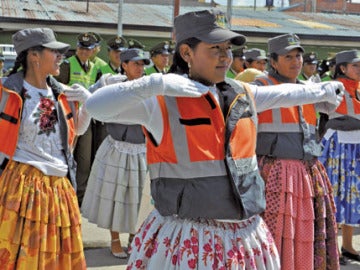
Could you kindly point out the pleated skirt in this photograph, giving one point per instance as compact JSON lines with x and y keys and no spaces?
{"x":40,"y":222}
{"x":113,"y":193}
{"x":172,"y":243}
{"x":300,"y":213}
{"x":342,"y":163}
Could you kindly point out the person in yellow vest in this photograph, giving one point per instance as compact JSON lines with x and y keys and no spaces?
{"x":159,"y":55}
{"x":200,"y":130}
{"x":238,"y":63}
{"x":79,"y":69}
{"x":115,"y":46}
{"x":98,"y":62}
{"x":40,"y":220}
{"x":330,"y":63}
{"x":309,"y":70}
{"x":133,"y":43}
{"x":300,"y":210}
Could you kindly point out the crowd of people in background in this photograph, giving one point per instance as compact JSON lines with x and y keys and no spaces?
{"x":136,"y":143}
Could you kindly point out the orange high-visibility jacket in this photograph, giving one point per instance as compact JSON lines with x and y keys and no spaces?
{"x":287,"y":132}
{"x":347,"y":115}
{"x":11,"y":103}
{"x":187,"y":168}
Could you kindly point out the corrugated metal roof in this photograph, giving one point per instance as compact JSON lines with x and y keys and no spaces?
{"x":158,"y":18}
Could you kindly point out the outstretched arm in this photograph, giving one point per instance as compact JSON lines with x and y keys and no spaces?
{"x":287,"y":95}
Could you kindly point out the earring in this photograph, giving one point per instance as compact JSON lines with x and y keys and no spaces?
{"x":189,"y":66}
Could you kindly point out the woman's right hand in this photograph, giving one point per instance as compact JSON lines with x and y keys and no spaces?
{"x":334,"y":91}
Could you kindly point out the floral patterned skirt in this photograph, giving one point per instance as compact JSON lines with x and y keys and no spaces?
{"x":342,"y":163}
{"x":173,"y":243}
{"x":300,"y":213}
{"x":40,"y":224}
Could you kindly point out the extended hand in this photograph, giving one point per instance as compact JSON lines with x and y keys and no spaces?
{"x":334,"y":91}
{"x":77,"y":93}
{"x":179,"y":86}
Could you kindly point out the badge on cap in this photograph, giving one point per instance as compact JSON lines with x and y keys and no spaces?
{"x":221,"y":20}
{"x":85,"y":37}
{"x":293,"y":40}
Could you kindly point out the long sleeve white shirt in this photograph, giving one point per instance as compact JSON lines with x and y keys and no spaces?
{"x":134,"y":102}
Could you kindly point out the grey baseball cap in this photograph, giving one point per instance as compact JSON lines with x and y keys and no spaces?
{"x":32,"y":37}
{"x":207,"y":26}
{"x":284,"y":43}
{"x":134,"y":54}
{"x":255,"y":55}
{"x":351,"y":56}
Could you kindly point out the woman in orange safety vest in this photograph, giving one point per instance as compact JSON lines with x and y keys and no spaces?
{"x":342,"y":150}
{"x":300,"y":209}
{"x":40,"y":222}
{"x":201,"y":135}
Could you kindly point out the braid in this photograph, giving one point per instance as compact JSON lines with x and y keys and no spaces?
{"x":20,"y":61}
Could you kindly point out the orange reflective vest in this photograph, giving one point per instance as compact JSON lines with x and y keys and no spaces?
{"x":287,"y":132}
{"x":347,"y":115}
{"x":187,"y":168}
{"x":11,"y":103}
{"x":350,"y":105}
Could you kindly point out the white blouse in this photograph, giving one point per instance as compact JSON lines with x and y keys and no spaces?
{"x":39,"y":142}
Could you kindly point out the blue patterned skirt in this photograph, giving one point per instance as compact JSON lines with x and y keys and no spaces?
{"x":342,"y":163}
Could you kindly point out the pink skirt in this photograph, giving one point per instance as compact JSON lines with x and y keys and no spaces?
{"x":300,"y":213}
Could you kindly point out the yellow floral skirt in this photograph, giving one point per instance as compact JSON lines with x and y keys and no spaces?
{"x":40,"y":222}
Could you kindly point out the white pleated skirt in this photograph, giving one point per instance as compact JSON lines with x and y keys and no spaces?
{"x":113,"y":193}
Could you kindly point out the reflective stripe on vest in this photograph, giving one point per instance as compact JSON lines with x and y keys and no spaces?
{"x":350,"y":105}
{"x":185,"y":157}
{"x":290,"y":121}
{"x":78,"y":75}
{"x":187,"y":169}
{"x":287,"y":119}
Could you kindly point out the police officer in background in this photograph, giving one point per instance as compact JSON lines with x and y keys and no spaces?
{"x":238,"y":64}
{"x":79,"y":69}
{"x":309,"y":70}
{"x":133,"y":43}
{"x":115,"y":46}
{"x":98,"y":62}
{"x":330,"y":64}
{"x":160,"y":58}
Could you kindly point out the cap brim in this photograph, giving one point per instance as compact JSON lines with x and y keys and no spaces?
{"x":121,"y":49}
{"x":146,"y":61}
{"x":57,"y":45}
{"x":355,"y":60}
{"x":290,"y":48}
{"x":315,"y":62}
{"x":87,"y":47}
{"x":219,"y":35}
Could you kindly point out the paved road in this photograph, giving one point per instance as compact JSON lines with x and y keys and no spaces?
{"x":98,"y":256}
